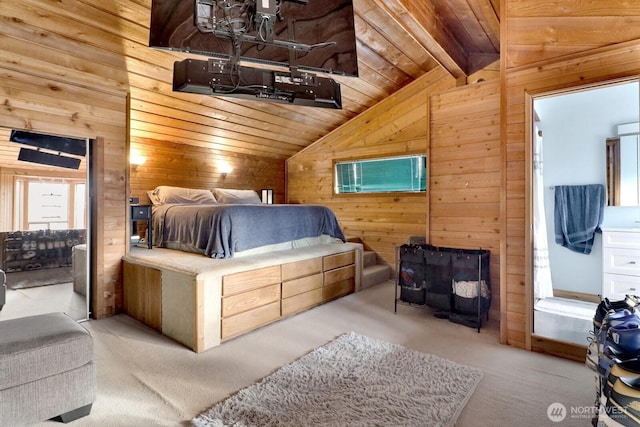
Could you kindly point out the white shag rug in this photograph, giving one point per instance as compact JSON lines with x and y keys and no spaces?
{"x":356,"y":381}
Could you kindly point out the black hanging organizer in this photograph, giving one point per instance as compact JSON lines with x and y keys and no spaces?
{"x":453,"y":282}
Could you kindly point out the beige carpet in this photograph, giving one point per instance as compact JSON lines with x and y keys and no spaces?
{"x":42,"y":277}
{"x":145,"y":379}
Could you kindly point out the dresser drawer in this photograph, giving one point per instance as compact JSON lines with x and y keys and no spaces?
{"x":616,"y":286}
{"x":245,"y":301}
{"x":621,"y":239}
{"x":306,"y":267}
{"x":300,"y":302}
{"x":338,"y":260}
{"x":249,"y":320}
{"x":621,"y":261}
{"x":338,"y":289}
{"x":339,"y":274}
{"x":301,"y":285}
{"x":248,"y":280}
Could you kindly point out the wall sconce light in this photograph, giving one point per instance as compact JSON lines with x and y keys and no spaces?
{"x":225,"y":169}
{"x":136,"y":159}
{"x":267,"y":196}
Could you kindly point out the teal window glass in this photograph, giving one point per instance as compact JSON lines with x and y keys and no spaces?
{"x":382,"y":175}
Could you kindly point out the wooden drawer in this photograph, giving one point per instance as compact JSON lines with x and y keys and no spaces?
{"x":302,"y":301}
{"x":616,"y":286}
{"x":238,"y":303}
{"x":248,"y":280}
{"x":141,"y":212}
{"x":338,"y":289}
{"x":338,"y":260}
{"x":252,"y":319}
{"x":621,"y":239}
{"x":303,"y":268}
{"x":339,"y":274}
{"x":301,"y":285}
{"x":621,"y":261}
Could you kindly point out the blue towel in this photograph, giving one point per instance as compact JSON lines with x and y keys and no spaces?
{"x":578,"y":215}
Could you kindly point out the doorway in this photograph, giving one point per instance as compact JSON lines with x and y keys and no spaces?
{"x":571,"y":130}
{"x":45,"y":223}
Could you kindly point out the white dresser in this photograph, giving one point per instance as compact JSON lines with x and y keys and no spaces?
{"x":621,"y":262}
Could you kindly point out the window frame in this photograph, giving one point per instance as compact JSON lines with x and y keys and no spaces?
{"x":356,"y":160}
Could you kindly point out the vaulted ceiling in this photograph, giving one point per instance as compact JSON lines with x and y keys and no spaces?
{"x":398,"y":41}
{"x":462,"y":36}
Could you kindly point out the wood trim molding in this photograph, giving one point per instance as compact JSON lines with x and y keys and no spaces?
{"x":504,"y":337}
{"x":528,"y":214}
{"x":558,"y":348}
{"x":576,"y":296}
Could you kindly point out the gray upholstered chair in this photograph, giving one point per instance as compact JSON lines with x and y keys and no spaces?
{"x":46,"y":370}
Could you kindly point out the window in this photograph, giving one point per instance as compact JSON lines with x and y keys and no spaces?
{"x":80,"y":208}
{"x":382,"y":175}
{"x":49,"y":204}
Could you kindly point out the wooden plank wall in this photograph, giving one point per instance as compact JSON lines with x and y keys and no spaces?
{"x":397,"y":125}
{"x":466,"y":171}
{"x":75,"y":67}
{"x":548,"y":46}
{"x":179,"y":165}
{"x":62,"y":117}
{"x":56,"y":79}
{"x":540,"y":31}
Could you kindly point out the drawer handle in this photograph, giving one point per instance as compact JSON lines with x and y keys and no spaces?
{"x":632,"y":289}
{"x":632,"y":262}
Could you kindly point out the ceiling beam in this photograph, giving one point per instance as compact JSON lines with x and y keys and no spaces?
{"x":420,"y":21}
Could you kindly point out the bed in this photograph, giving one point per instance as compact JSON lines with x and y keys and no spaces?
{"x":246,"y":281}
{"x":202,"y":302}
{"x":235,"y":222}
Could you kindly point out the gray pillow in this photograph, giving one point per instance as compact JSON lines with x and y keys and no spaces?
{"x":165,"y":194}
{"x":238,"y":197}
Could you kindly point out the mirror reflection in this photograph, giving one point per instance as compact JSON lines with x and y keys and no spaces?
{"x":623,"y":167}
{"x":43,"y":225}
{"x":582,"y":138}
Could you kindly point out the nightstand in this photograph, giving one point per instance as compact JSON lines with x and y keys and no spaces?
{"x":141,"y":213}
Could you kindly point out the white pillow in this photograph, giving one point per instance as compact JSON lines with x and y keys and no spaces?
{"x":238,"y":197}
{"x":165,"y":194}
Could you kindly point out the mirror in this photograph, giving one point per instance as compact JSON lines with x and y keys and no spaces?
{"x":570,"y":131}
{"x":623,"y":167}
{"x":44,"y":224}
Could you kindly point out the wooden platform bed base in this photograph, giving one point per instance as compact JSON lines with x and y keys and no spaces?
{"x":201,"y":302}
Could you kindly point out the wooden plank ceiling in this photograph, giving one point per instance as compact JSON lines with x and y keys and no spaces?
{"x":398,"y":41}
